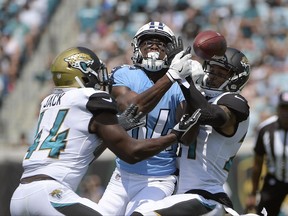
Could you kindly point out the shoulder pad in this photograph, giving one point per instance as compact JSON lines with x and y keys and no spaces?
{"x":122,"y":68}
{"x":101,"y":101}
{"x":237,"y":103}
{"x":116,"y":68}
{"x":129,"y":67}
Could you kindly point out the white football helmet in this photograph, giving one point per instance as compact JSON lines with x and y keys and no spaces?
{"x":151,"y":30}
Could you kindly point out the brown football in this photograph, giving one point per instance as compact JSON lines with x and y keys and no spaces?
{"x":208,"y":44}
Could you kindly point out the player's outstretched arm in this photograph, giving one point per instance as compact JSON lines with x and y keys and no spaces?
{"x":181,"y":67}
{"x":114,"y":137}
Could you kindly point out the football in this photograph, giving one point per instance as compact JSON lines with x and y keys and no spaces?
{"x":208,"y":44}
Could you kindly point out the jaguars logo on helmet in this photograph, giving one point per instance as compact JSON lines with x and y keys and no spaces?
{"x":81,"y":61}
{"x":79,"y":67}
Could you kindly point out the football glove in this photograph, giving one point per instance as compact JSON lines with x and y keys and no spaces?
{"x":174,"y":48}
{"x":129,"y":119}
{"x":181,"y":66}
{"x":197,"y":74}
{"x":187,"y":128}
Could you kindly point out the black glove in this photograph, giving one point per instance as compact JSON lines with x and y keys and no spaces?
{"x":173,"y":48}
{"x":129,"y":119}
{"x":187,"y":129}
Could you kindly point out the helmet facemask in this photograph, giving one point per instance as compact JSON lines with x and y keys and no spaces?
{"x":97,"y":79}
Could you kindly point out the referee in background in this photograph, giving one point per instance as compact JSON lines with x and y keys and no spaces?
{"x":271,"y":145}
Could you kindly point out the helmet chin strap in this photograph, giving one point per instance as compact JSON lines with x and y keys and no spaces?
{"x":79,"y":82}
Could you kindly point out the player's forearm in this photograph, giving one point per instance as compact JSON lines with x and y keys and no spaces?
{"x":255,"y":182}
{"x":132,"y":150}
{"x":147,"y":100}
{"x":210,"y":114}
{"x":256,"y":173}
{"x":153,"y":146}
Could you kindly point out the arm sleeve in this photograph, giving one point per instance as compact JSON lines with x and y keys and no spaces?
{"x":120,"y":76}
{"x":210,"y":114}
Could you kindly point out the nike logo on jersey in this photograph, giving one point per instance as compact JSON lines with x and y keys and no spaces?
{"x":108,"y":100}
{"x":236,"y":96}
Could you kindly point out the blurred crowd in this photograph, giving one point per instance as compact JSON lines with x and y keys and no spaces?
{"x":257,"y":27}
{"x":21,"y":23}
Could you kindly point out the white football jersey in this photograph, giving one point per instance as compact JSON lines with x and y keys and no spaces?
{"x":205,"y":163}
{"x":63,"y":148}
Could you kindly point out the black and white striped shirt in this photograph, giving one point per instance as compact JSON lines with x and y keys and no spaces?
{"x":272,"y":141}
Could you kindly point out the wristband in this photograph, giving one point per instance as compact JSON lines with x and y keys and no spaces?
{"x":170,"y":77}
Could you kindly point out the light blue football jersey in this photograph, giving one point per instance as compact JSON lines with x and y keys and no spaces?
{"x":159,"y":122}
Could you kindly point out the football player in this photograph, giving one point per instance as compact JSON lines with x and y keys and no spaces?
{"x":77,"y":121}
{"x":150,"y":83}
{"x":204,"y":164}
